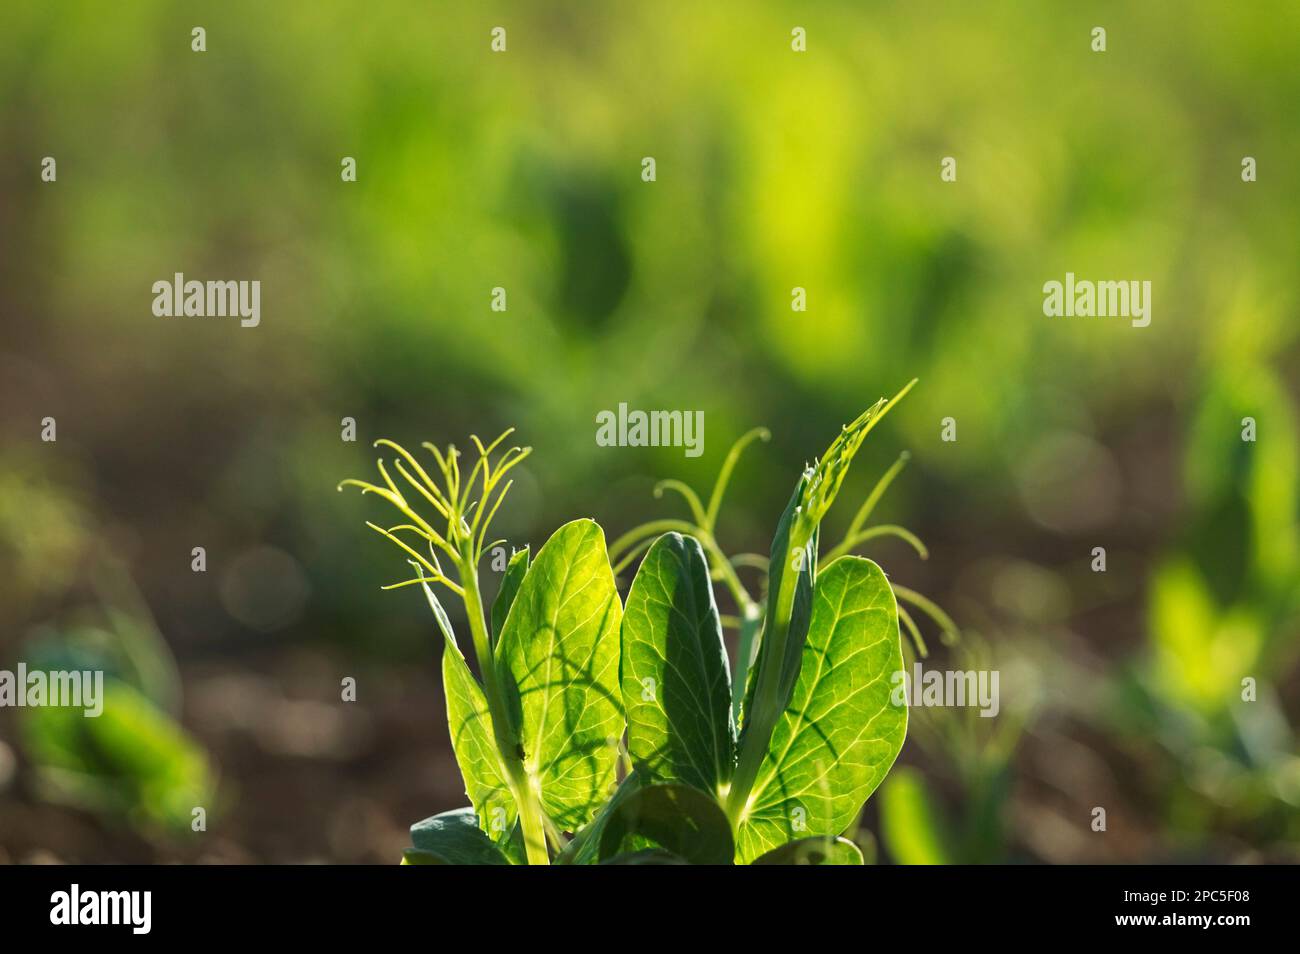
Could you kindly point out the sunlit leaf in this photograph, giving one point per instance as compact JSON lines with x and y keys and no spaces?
{"x":472,"y":742}
{"x":560,"y":649}
{"x":841,"y":732}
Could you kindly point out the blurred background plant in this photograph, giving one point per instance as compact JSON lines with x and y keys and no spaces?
{"x":775,"y":169}
{"x":131,"y":761}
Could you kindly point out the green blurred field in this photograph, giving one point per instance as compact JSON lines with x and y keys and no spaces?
{"x":774,"y":170}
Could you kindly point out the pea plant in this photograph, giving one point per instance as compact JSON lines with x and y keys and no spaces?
{"x":604,"y":732}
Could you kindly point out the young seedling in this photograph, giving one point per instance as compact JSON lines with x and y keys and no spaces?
{"x":789,"y":753}
{"x":773,"y":774}
{"x":536,"y":740}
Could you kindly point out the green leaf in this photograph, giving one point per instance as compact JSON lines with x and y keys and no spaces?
{"x":559,"y":649}
{"x":813,"y":851}
{"x":792,"y":568}
{"x":472,"y":740}
{"x":840,"y":733}
{"x":475,"y":747}
{"x":676,"y":684}
{"x":678,"y":819}
{"x":514,"y":575}
{"x":1195,"y":643}
{"x":794,"y":551}
{"x":133,"y":758}
{"x":452,"y":838}
{"x":584,"y":848}
{"x":787,"y":614}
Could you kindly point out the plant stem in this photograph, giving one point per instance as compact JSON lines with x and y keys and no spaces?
{"x":531,"y":819}
{"x":651,"y":529}
{"x":932,"y":609}
{"x":881,"y":530}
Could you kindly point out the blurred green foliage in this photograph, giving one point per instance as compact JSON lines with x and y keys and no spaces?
{"x":131,"y":759}
{"x":775,"y":170}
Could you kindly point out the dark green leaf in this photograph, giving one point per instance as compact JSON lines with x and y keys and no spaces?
{"x":676,"y":818}
{"x":584,"y":848}
{"x":453,"y":838}
{"x":813,"y":851}
{"x":676,"y":684}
